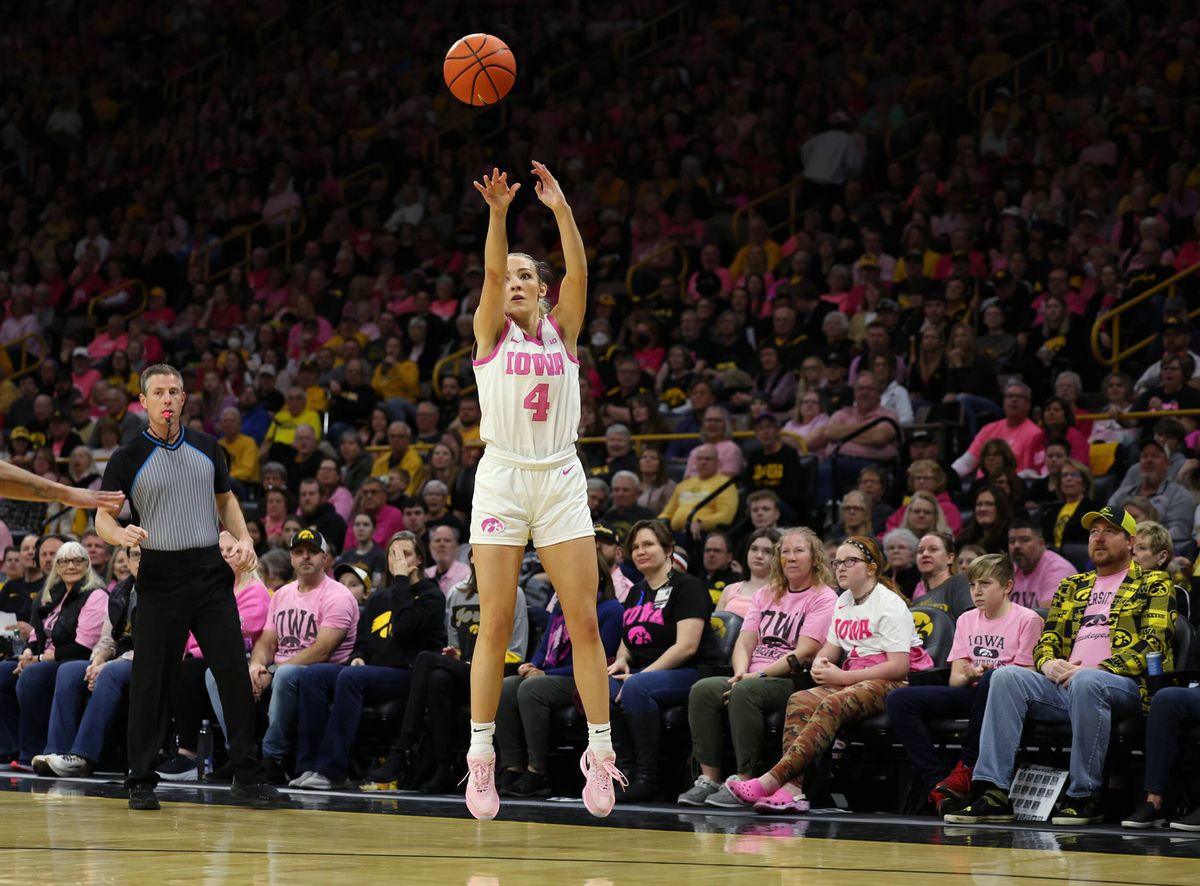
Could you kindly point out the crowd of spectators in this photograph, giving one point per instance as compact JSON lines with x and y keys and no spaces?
{"x":911,"y":353}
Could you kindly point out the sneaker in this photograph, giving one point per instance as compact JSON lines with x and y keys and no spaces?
{"x":506,"y":778}
{"x":141,"y":797}
{"x":318,"y":782}
{"x":223,"y":774}
{"x":1145,"y":816}
{"x":699,"y":792}
{"x":482,"y":800}
{"x":69,"y":765}
{"x":1079,"y":811}
{"x":957,"y":783}
{"x":1190,"y":822}
{"x":42,"y":766}
{"x":260,"y":795}
{"x":530,"y":784}
{"x":723,"y":799}
{"x":598,"y":794}
{"x":179,"y":768}
{"x":18,"y":766}
{"x":301,"y":780}
{"x":991,"y":806}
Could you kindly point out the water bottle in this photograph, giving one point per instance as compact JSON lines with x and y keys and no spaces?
{"x":204,"y":751}
{"x":18,"y":643}
{"x":1154,"y":664}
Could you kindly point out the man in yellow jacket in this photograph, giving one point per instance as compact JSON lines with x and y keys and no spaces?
{"x":718,"y":513}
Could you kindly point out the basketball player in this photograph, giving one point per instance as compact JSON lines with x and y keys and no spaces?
{"x":530,"y":483}
{"x":21,"y":485}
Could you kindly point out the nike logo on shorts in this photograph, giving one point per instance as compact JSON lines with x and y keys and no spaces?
{"x":568,"y":470}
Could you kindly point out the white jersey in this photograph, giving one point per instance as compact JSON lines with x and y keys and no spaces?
{"x":529,"y":394}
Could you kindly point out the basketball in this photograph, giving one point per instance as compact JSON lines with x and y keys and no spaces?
{"x":480,"y":69}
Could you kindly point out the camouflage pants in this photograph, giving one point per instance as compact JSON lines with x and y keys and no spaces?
{"x":814,"y":717}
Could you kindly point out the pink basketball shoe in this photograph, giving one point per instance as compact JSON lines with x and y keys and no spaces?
{"x":482,"y":799}
{"x":598,"y":794}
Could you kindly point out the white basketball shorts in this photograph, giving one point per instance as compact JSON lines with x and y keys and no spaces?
{"x":515,"y":502}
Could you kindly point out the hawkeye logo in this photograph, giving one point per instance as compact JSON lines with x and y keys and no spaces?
{"x":492,"y":525}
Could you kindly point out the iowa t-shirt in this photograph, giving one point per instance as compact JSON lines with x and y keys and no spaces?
{"x":992,"y":642}
{"x":652,"y":614}
{"x":780,"y":625}
{"x":296,"y":617}
{"x":1093,"y":643}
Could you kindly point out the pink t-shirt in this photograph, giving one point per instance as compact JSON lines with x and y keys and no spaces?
{"x":456,"y":573}
{"x":991,"y":643}
{"x":1026,"y":440}
{"x":295,"y":618}
{"x":781,"y":625}
{"x":855,"y":448}
{"x":729,"y":460}
{"x":735,"y":601}
{"x":867,"y":632}
{"x":1092,"y":644}
{"x":253,"y":602}
{"x":389,"y":520}
{"x":1037,"y":588}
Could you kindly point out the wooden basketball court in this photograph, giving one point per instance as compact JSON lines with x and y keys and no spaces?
{"x":82,"y":831}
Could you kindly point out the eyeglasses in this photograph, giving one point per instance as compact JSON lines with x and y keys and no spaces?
{"x":847,"y":562}
{"x":73,"y":561}
{"x":853,"y":508}
{"x":1071,"y":475}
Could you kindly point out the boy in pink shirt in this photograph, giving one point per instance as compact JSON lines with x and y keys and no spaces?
{"x":996,"y":633}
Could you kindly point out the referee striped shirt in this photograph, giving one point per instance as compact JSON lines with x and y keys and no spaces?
{"x":171,"y":488}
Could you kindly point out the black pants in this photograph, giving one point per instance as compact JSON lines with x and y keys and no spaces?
{"x":178,"y":592}
{"x":437,"y":682}
{"x":192,"y":706}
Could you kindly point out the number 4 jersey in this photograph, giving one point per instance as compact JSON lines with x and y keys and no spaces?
{"x":529,"y":393}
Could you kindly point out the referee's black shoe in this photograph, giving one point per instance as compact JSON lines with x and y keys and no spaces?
{"x":141,"y":797}
{"x":259,"y":795}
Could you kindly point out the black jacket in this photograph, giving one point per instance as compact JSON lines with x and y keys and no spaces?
{"x":122,"y":603}
{"x":65,"y":626}
{"x":401,"y":620}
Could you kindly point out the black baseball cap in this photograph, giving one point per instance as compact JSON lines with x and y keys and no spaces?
{"x":309,"y":537}
{"x":607,"y":533}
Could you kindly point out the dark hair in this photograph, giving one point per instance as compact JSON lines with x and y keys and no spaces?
{"x":1068,"y":410}
{"x":606,"y":589}
{"x":660,"y":530}
{"x":418,"y":546}
{"x":1024,"y":521}
{"x":994,"y":539}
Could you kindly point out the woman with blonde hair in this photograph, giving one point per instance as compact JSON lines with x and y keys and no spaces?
{"x":786,"y":624}
{"x":923,"y":514}
{"x":856,"y":514}
{"x":68,"y":618}
{"x":926,"y":475}
{"x":868,"y":652}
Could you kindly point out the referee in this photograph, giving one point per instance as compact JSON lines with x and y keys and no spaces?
{"x":177,"y":485}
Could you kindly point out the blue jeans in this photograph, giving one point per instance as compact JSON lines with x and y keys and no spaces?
{"x":1088,"y":703}
{"x":909,"y":708}
{"x":647,"y":691}
{"x":70,"y":695}
{"x":25,"y":702}
{"x":326,"y":732}
{"x":88,"y":735}
{"x":281,"y":709}
{"x":1168,"y":708}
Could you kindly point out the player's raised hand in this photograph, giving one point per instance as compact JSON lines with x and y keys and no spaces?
{"x":547,"y":187}
{"x":496,"y":190}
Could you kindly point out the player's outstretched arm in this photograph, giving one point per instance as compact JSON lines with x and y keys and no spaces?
{"x":17,"y":483}
{"x":572,"y":295}
{"x":489,"y":316}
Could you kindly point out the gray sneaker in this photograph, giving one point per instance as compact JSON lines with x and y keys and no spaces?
{"x":704,"y":788}
{"x":722,"y":798}
{"x":68,"y":765}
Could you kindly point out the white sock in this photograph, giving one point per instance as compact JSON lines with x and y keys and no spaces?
{"x":600,"y":739}
{"x":481,"y":739}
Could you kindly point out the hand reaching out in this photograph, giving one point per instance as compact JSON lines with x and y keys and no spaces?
{"x":547,"y":187}
{"x":496,"y":189}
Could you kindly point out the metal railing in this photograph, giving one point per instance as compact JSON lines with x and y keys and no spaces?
{"x":1136,"y":416}
{"x":1114,"y":316}
{"x":1018,"y":76}
{"x":199,"y":75}
{"x":903,"y":141}
{"x":454,"y":360}
{"x":680,"y":274}
{"x":790,"y":191}
{"x":646,"y":39}
{"x":293,"y":228}
{"x":139,"y":300}
{"x":28,"y":358}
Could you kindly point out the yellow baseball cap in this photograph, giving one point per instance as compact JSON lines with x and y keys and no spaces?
{"x":1116,"y":516}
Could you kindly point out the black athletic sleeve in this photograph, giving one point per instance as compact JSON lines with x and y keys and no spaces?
{"x":121,"y":467}
{"x":208,"y":444}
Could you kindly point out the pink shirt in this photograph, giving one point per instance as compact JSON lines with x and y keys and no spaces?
{"x":102,"y":345}
{"x":1092,"y":644}
{"x":388,"y":521}
{"x":296,"y":617}
{"x":621,"y":584}
{"x":89,"y":625}
{"x":856,"y":449}
{"x":991,"y":643}
{"x":456,"y":574}
{"x":729,"y":459}
{"x":1037,"y":588}
{"x":1026,"y":440}
{"x":949,"y":510}
{"x":343,"y":502}
{"x":253,"y":601}
{"x":781,"y":625}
